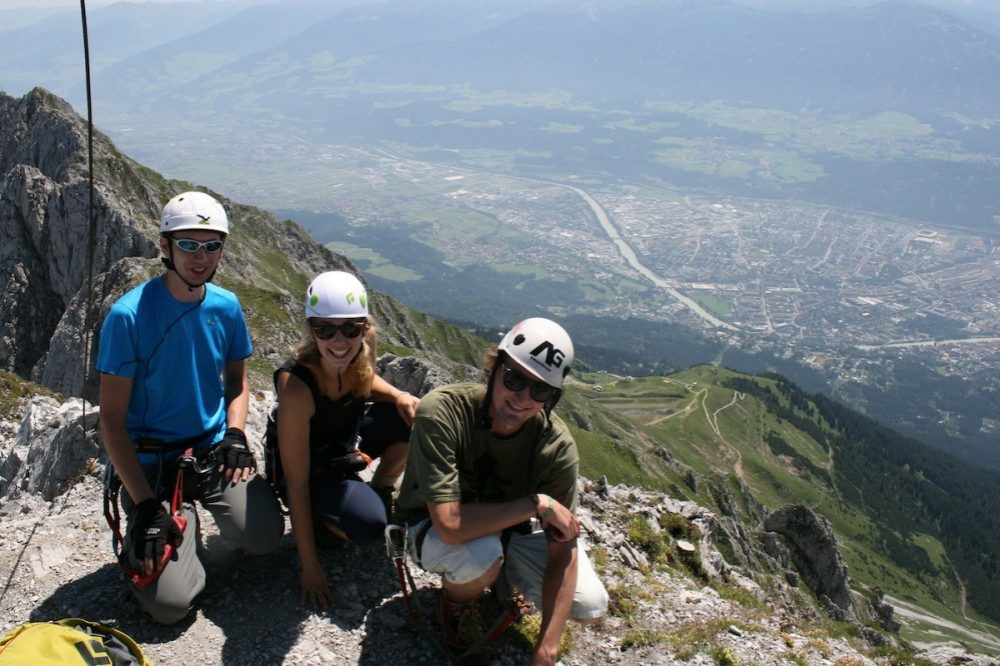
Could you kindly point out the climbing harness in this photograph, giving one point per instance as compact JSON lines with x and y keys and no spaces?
{"x":515,"y":605}
{"x":352,"y":462}
{"x":112,"y":489}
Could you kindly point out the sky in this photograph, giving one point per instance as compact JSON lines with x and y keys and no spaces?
{"x":39,"y":4}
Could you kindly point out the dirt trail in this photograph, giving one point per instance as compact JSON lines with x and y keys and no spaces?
{"x":911,"y":612}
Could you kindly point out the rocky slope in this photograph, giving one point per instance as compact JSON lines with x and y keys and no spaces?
{"x":674,"y":597}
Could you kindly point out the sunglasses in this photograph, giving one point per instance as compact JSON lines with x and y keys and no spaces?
{"x":516,"y":382}
{"x":349,"y":329}
{"x":192,"y":246}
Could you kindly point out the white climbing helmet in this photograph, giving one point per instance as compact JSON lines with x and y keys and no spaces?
{"x":542,"y":347}
{"x":336,"y":295}
{"x":193,"y":210}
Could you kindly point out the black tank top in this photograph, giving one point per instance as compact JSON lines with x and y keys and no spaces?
{"x":334,"y":423}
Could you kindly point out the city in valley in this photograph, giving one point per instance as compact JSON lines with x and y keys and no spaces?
{"x":853,"y":295}
{"x":820,"y":280}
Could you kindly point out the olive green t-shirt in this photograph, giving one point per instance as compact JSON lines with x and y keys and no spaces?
{"x":453,"y":458}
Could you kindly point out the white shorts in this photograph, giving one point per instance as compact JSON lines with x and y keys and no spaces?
{"x":524,"y":565}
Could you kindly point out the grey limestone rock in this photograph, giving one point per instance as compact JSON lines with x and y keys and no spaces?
{"x":54,"y":445}
{"x":414,"y":375}
{"x":813,"y":549}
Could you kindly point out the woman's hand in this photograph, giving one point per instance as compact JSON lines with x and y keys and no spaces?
{"x":315,"y":591}
{"x":406,"y":405}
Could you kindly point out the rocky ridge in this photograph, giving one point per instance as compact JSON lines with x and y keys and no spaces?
{"x":675,"y":599}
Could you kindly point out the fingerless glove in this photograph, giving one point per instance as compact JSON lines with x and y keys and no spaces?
{"x":153,"y":529}
{"x":233,"y":451}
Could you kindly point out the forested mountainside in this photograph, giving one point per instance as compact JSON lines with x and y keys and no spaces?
{"x":912,"y":520}
{"x":910,"y":489}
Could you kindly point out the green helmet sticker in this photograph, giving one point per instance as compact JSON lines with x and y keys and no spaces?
{"x":364,"y":301}
{"x":350,"y":297}
{"x":313,"y":300}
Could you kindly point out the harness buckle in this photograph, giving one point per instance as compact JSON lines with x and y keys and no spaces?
{"x":187,"y":461}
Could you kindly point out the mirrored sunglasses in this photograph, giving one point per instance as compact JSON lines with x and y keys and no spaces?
{"x":516,"y":382}
{"x":192,"y":246}
{"x":349,"y":329}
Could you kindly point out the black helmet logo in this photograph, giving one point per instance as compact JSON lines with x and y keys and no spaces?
{"x":553,"y":357}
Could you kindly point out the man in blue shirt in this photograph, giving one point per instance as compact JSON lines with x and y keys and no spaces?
{"x":172,"y":354}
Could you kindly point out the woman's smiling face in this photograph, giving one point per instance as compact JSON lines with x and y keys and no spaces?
{"x":338,"y":340}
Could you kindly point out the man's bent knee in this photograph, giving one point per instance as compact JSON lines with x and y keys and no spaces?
{"x":465,"y":592}
{"x":481,"y":581}
{"x":462,"y":563}
{"x":590,"y":604}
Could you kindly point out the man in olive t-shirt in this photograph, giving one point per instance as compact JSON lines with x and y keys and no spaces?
{"x":488,"y":459}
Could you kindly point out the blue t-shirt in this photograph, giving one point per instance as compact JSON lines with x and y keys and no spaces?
{"x":174,"y":353}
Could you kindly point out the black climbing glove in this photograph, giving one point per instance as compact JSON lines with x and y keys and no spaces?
{"x":153,"y":528}
{"x":233,"y":452}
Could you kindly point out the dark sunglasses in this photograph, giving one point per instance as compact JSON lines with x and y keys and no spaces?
{"x":516,"y":382}
{"x":349,"y":329}
{"x":192,"y":246}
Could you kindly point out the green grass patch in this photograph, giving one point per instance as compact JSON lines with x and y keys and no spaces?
{"x":738,"y":595}
{"x":643,"y":638}
{"x":885,"y":135}
{"x":623,"y":602}
{"x":768,"y":165}
{"x":723,"y":655}
{"x":535,"y":272}
{"x":602,"y":456}
{"x":697,"y":636}
{"x":642,"y":535}
{"x":14,"y":392}
{"x":712,"y":303}
{"x":934,"y":549}
{"x":524,"y":634}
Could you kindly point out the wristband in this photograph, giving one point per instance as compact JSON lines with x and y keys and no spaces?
{"x":543,"y":515}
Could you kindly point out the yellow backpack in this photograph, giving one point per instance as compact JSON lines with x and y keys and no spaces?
{"x":67,"y":642}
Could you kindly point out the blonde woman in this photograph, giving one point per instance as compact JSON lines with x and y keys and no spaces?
{"x":335,"y":414}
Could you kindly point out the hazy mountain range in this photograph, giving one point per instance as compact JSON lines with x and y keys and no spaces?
{"x":591,"y":85}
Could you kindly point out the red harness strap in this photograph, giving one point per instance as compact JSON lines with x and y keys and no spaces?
{"x":113,"y":516}
{"x":516,"y":606}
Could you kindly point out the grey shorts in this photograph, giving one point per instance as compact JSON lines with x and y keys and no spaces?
{"x":524,"y":565}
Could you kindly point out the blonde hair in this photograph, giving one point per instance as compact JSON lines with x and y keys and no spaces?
{"x":360,"y":372}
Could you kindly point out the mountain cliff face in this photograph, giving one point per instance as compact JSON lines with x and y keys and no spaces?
{"x":62,"y":267}
{"x":44,"y":227}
